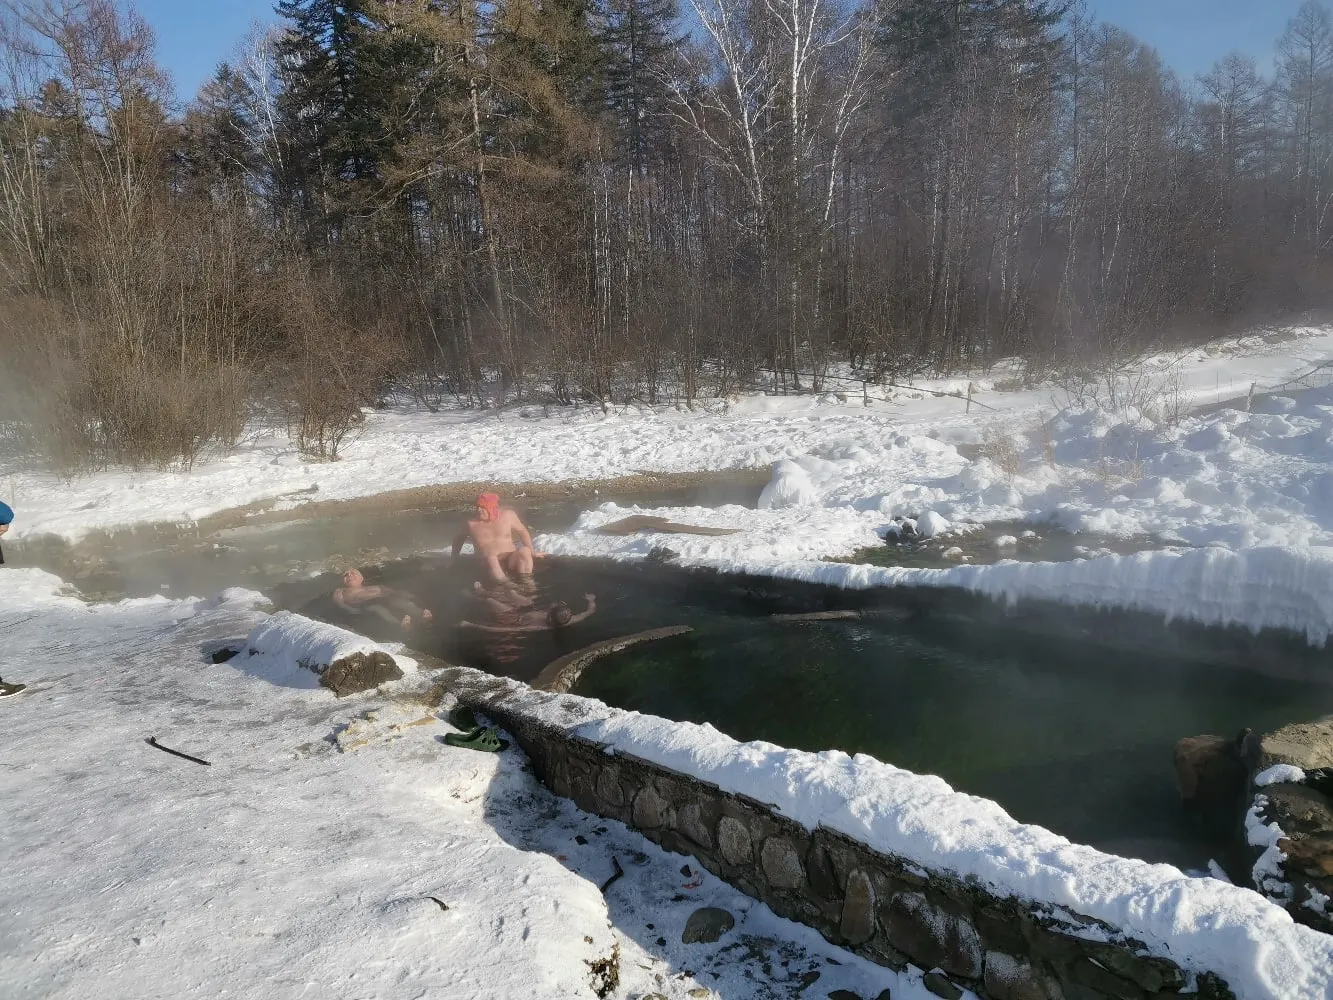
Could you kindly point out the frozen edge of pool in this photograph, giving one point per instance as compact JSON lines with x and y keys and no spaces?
{"x":1200,"y":923}
{"x":1257,"y":588}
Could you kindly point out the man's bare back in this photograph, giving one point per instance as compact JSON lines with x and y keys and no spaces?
{"x":492,"y":532}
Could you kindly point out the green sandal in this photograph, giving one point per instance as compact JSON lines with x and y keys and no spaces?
{"x":483,"y":738}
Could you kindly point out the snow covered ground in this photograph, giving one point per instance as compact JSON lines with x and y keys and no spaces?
{"x":315,"y":851}
{"x":305,"y":856}
{"x":403,"y":448}
{"x":302,"y":862}
{"x":1245,"y":496}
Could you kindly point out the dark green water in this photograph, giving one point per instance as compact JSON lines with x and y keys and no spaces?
{"x":1072,"y":736}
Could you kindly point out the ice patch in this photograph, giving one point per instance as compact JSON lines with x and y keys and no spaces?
{"x":1279,"y":773}
{"x":1267,"y":871}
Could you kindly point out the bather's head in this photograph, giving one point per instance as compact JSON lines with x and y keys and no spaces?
{"x":353,"y":579}
{"x":559,"y":615}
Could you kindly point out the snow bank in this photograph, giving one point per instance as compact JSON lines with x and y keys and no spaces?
{"x":790,"y":486}
{"x":1201,"y":923}
{"x":289,"y":639}
{"x":1267,"y":587}
{"x":31,"y":589}
{"x":931,"y":524}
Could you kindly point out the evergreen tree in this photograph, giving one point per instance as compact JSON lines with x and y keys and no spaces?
{"x":327,"y":102}
{"x":641,"y":43}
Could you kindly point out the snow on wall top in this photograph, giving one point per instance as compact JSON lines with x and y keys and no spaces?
{"x":1203,"y":924}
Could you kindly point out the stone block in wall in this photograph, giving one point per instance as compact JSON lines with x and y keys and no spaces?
{"x":608,"y":787}
{"x":858,"y":909}
{"x":781,"y":863}
{"x":579,"y":765}
{"x":930,"y":936}
{"x":819,"y":871}
{"x":696,"y":820}
{"x":844,"y":857}
{"x":1104,"y":982}
{"x":557,"y":777}
{"x":1152,"y":975}
{"x":1007,"y":977}
{"x":733,"y":840}
{"x":1002,"y":927}
{"x":650,"y":809}
{"x":583,"y":790}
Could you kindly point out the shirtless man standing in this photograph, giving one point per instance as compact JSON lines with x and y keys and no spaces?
{"x":492,"y":533}
{"x":392,"y":605}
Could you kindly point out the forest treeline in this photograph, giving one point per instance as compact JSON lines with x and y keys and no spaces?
{"x":612,"y":200}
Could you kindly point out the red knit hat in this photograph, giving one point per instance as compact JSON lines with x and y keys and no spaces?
{"x":490,"y":503}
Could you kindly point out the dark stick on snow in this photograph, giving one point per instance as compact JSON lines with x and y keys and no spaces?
{"x":152,"y":742}
{"x":619,"y":872}
{"x":440,"y":903}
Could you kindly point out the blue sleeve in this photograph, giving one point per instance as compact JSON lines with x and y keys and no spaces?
{"x":6,"y":513}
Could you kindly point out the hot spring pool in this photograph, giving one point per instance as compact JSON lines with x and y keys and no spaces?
{"x":1063,"y":729}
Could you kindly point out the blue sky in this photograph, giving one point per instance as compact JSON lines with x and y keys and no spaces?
{"x":195,"y":35}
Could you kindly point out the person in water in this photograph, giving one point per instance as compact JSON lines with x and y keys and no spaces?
{"x":394,"y":606}
{"x":492,"y":532}
{"x":515,"y":612}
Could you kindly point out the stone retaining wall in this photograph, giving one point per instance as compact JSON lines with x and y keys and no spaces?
{"x":1304,"y":812}
{"x":882,"y":907}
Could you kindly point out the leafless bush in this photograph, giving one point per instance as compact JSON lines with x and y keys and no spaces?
{"x":1125,"y":389}
{"x":1003,"y":448}
{"x":331,"y":369}
{"x":1044,"y":435}
{"x":1116,"y":471}
{"x":81,"y":400}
